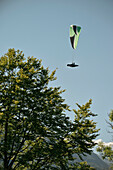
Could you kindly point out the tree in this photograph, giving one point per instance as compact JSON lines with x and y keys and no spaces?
{"x":107,"y":151}
{"x":35,"y":132}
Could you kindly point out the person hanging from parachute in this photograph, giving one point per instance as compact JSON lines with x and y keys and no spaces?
{"x":74,"y":36}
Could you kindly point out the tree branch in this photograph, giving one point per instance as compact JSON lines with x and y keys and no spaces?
{"x":5,"y":145}
{"x":10,"y":165}
{"x":12,"y":148}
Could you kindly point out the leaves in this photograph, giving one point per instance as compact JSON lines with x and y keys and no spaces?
{"x":111,"y":116}
{"x":35,"y":132}
{"x":107,"y":151}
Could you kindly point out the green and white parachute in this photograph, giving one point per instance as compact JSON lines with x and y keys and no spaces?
{"x":74,"y":35}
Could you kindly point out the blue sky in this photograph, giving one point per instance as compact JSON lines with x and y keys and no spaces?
{"x":40,"y":28}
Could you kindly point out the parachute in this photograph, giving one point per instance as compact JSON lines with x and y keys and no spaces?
{"x":74,"y":36}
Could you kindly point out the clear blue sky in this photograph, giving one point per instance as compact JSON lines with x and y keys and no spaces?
{"x":40,"y":28}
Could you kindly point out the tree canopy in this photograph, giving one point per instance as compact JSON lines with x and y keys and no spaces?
{"x":35,"y":132}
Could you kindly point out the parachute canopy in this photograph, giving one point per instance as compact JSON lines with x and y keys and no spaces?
{"x":74,"y":35}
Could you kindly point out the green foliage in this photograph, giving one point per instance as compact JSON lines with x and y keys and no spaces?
{"x":107,"y":151}
{"x":111,"y":116}
{"x":35,"y":132}
{"x":83,"y":166}
{"x":84,"y":128}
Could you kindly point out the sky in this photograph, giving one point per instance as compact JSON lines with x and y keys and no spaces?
{"x":40,"y":28}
